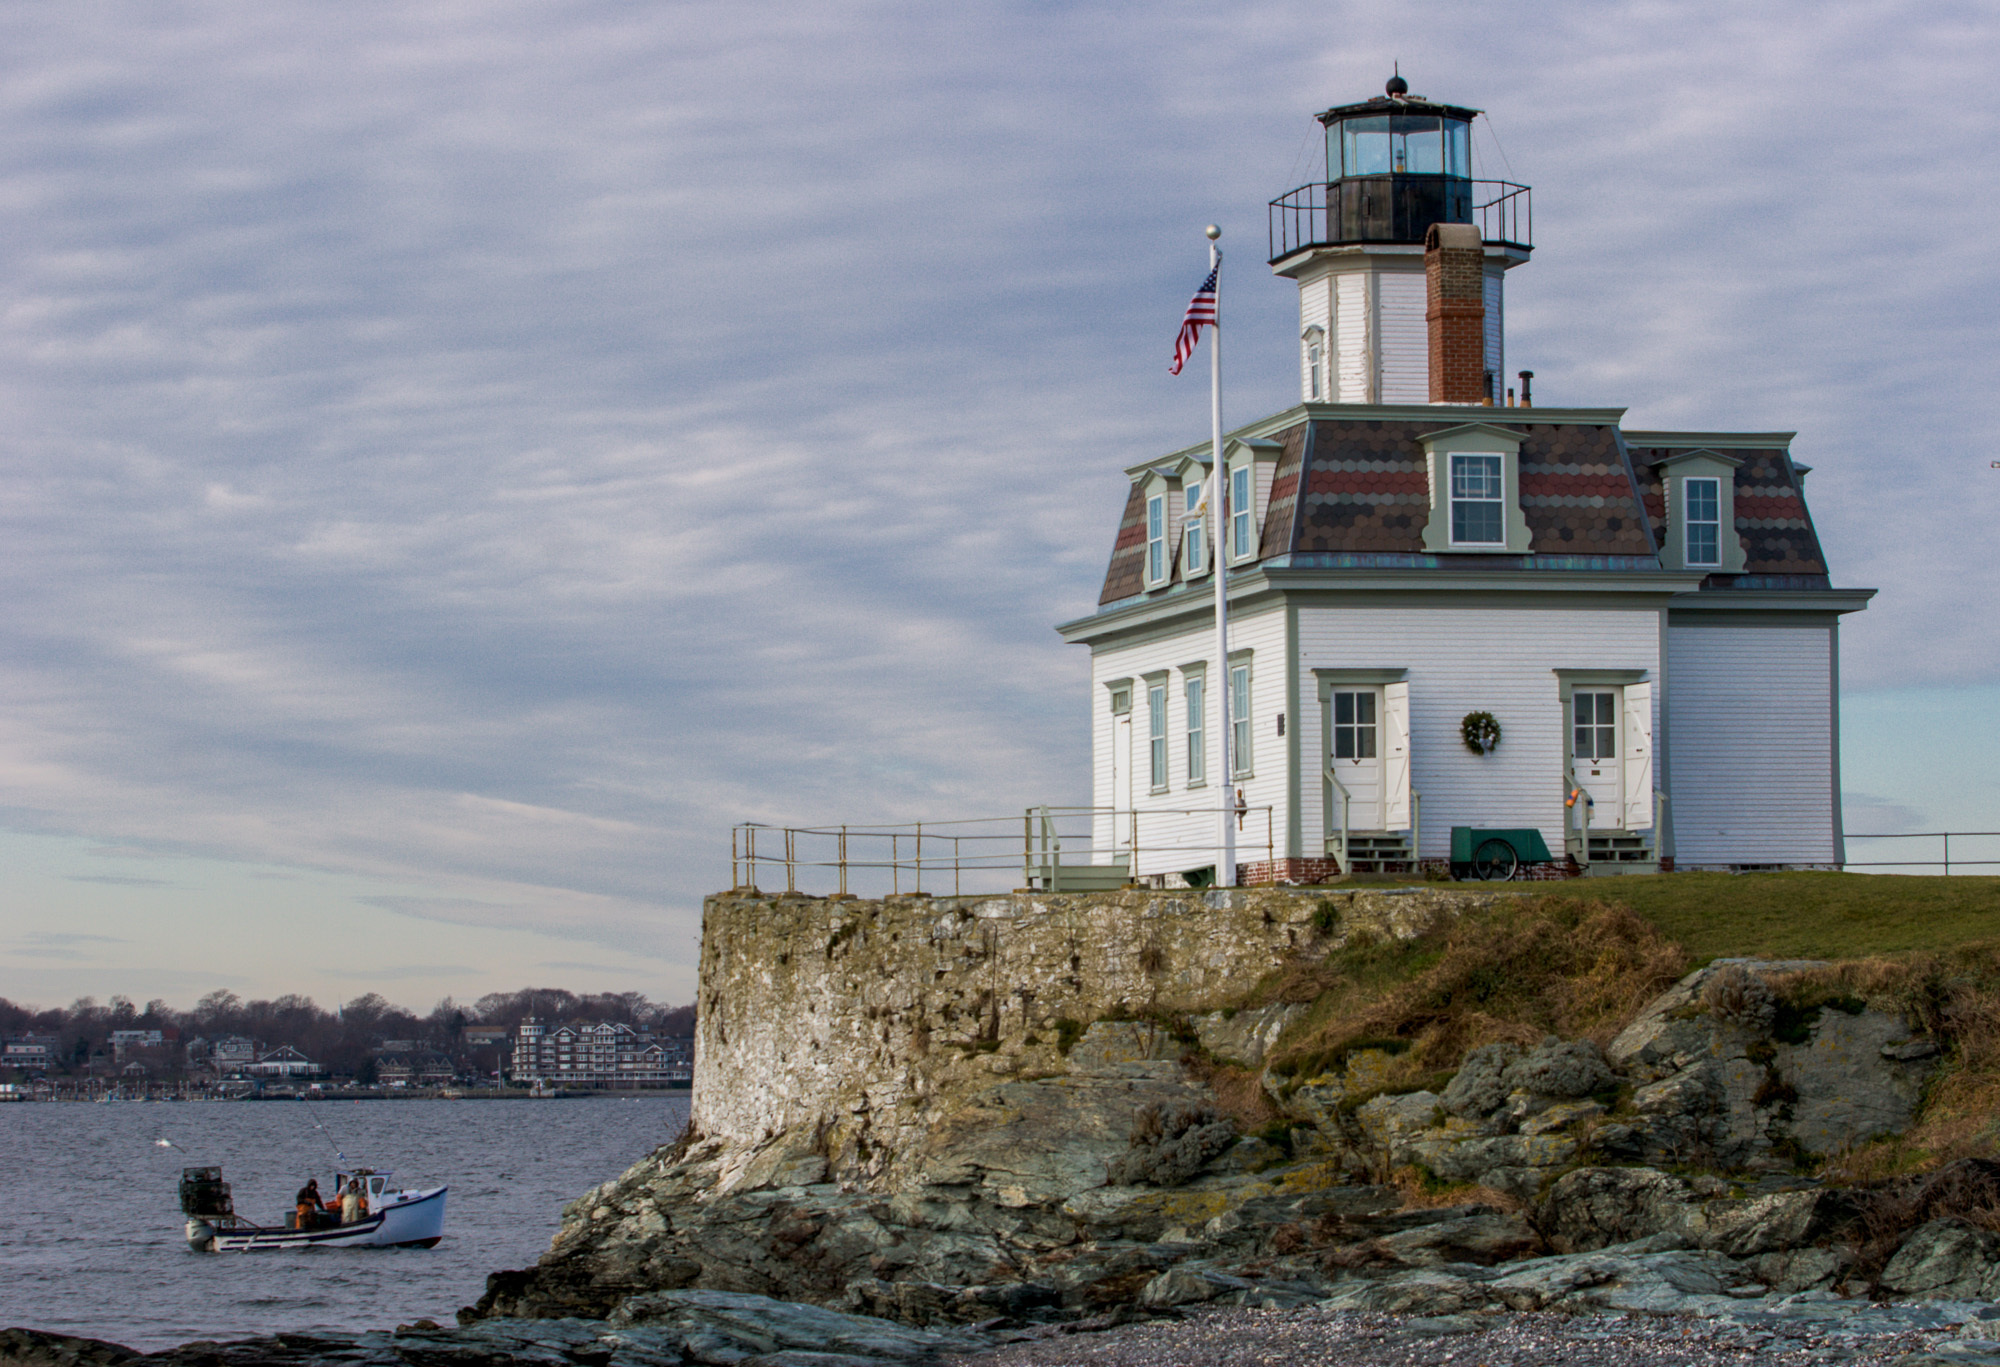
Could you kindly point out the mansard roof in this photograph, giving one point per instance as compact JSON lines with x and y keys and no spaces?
{"x":1351,"y":490}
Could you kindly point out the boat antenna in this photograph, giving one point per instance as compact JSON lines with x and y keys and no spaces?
{"x":338,"y":1156}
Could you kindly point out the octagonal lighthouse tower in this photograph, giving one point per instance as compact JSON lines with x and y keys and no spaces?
{"x":1400,"y":257}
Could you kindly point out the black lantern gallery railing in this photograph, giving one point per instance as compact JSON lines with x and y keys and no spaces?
{"x":1398,"y":209}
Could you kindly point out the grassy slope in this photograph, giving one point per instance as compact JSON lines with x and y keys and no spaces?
{"x":1577,"y":958}
{"x":1805,"y":915}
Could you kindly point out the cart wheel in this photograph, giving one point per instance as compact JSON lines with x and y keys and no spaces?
{"x":1495,"y":861}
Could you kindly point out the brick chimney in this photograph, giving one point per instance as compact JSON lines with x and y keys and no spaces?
{"x":1455,"y":309}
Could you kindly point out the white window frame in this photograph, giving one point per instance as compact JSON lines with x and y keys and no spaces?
{"x":1156,"y":540}
{"x":1497,"y":500}
{"x":1195,"y":692}
{"x":1711,"y":524}
{"x":1156,"y":734}
{"x":1242,"y":511}
{"x":1240,"y":729}
{"x":1194,"y":556}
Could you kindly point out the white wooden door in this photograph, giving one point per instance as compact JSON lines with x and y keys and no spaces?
{"x":1638,"y":759}
{"x":1396,"y":757}
{"x":1356,"y":757}
{"x":1595,"y":754}
{"x":1121,"y":780}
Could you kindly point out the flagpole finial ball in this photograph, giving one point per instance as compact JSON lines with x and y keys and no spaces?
{"x":1212,"y":231}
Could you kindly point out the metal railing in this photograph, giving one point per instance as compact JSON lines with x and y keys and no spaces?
{"x":1944,"y":860}
{"x":970,"y":856}
{"x":1398,"y":209}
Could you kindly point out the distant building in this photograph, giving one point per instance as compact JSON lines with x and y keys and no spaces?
{"x":485,"y":1036}
{"x":596,"y":1054}
{"x":125,"y":1043}
{"x":28,"y":1051}
{"x":284,"y":1061}
{"x":228,"y":1056}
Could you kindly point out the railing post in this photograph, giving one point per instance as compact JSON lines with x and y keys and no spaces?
{"x":954,"y":867}
{"x":750,"y":836}
{"x":895,"y":865}
{"x":1947,"y":854}
{"x":920,"y":856}
{"x":735,"y":866}
{"x":791,"y":874}
{"x":1416,"y":833}
{"x":1027,"y":847}
{"x":843,"y":861}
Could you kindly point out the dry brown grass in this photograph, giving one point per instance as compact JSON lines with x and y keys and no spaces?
{"x":1953,"y":996}
{"x":1515,"y":972}
{"x":1420,"y":1189}
{"x":1239,"y":1093}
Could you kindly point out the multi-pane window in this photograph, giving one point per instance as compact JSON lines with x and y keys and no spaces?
{"x":1197,"y":732}
{"x":1476,"y":516}
{"x":1195,"y":559}
{"x":1239,"y":718}
{"x":1596,"y":725}
{"x":1704,"y":520}
{"x":1239,"y":512}
{"x":1312,"y":371}
{"x":1156,"y":723}
{"x":1354,"y":725}
{"x":1156,"y":539}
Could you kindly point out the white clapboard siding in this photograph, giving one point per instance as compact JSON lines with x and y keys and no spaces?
{"x":1351,"y":333}
{"x":1496,"y":355}
{"x":1173,"y":836}
{"x":1316,"y":311}
{"x":1751,"y":744}
{"x":1405,"y":337}
{"x":1460,"y":660}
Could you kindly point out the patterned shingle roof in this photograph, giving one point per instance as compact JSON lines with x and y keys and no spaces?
{"x":1771,"y":515}
{"x":1357,"y":491}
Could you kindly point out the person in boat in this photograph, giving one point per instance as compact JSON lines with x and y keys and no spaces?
{"x":352,"y":1207}
{"x":308,"y":1203}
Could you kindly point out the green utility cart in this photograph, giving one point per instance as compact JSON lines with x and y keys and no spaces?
{"x":1495,"y":855}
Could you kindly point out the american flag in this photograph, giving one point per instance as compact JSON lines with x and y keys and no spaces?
{"x":1201,"y":309}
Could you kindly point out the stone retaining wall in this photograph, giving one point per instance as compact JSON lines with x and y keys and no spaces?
{"x":847,"y":1016}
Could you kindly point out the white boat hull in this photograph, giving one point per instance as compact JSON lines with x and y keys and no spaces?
{"x":407,"y":1220}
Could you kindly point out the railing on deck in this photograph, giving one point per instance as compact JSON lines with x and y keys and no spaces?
{"x":1398,"y":209}
{"x":1985,"y":843}
{"x":976,"y":855}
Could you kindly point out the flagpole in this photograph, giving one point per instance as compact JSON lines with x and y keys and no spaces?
{"x":1225,"y":866}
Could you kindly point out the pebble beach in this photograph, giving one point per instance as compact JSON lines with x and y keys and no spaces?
{"x":1309,"y":1335}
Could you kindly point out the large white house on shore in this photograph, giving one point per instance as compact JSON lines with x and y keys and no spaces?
{"x":1646,"y":616}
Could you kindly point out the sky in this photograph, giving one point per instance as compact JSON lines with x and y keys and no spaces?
{"x":457,"y":459}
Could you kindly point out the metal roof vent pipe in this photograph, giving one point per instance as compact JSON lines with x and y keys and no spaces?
{"x":1455,"y":312}
{"x":1527,"y":394}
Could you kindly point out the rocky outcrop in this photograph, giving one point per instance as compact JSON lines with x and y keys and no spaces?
{"x":1003,"y":1111}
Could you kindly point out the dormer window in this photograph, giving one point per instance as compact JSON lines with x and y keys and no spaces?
{"x":1194,"y":559}
{"x":1700,"y":489}
{"x":1475,"y":486}
{"x":1478,"y":501}
{"x":1156,"y":540}
{"x":1704,"y":522}
{"x":1242,"y":513}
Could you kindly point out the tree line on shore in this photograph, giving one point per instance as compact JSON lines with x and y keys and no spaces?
{"x":343,"y":1040}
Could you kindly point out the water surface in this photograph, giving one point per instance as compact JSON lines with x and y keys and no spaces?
{"x":91,"y":1234}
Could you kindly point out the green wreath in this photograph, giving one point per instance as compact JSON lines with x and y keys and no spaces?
{"x":1480,"y":731}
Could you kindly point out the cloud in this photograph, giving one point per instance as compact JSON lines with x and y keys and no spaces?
{"x":69,"y":946}
{"x":491,"y":449}
{"x":120,"y":880}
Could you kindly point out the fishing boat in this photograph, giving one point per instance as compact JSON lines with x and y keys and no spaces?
{"x":391,"y":1217}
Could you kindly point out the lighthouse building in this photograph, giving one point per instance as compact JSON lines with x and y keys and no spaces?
{"x":1450,"y":607}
